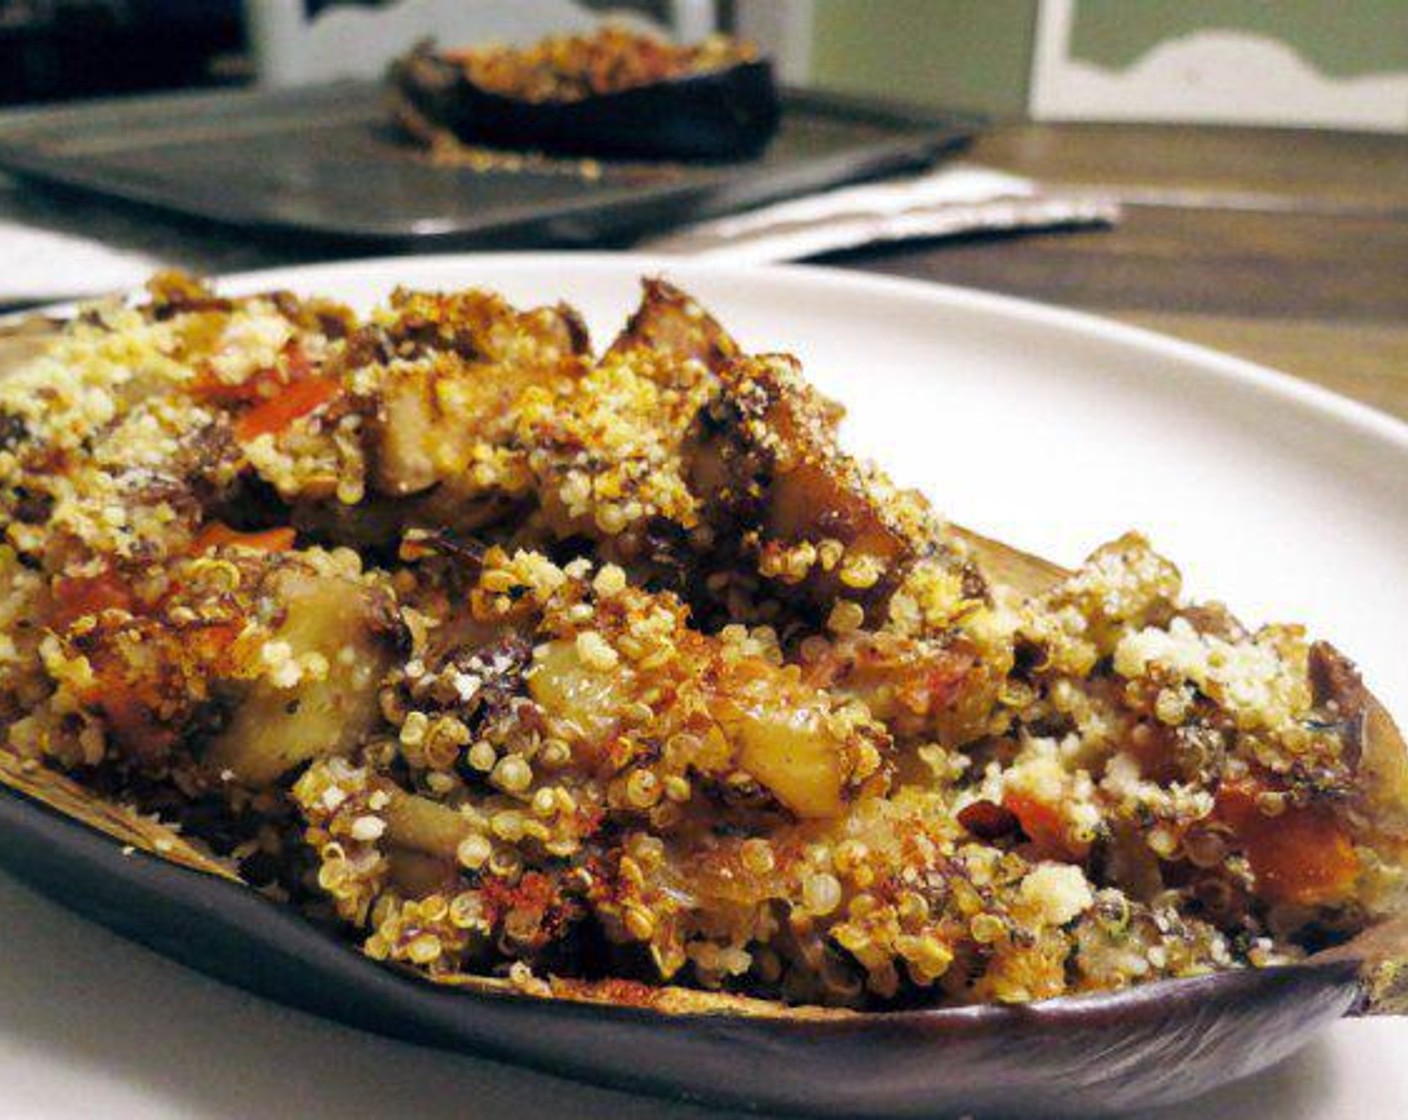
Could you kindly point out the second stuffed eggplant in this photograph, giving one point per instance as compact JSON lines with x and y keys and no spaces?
{"x":614,"y":94}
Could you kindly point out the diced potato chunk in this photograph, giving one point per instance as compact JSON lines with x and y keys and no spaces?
{"x":434,"y":418}
{"x":275,"y":728}
{"x":570,"y":690}
{"x":790,"y":752}
{"x":782,"y":741}
{"x":404,"y":463}
{"x":468,"y":358}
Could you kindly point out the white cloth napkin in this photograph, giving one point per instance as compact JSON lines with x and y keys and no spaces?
{"x":947,"y":201}
{"x":57,"y":247}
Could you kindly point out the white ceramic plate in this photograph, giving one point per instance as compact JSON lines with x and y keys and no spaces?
{"x":1051,"y":430}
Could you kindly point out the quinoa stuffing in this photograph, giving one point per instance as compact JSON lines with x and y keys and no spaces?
{"x":609,"y":672}
{"x":612,"y":59}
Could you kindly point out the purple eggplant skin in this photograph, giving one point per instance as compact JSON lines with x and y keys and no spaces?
{"x":1150,"y":1045}
{"x":727,"y":114}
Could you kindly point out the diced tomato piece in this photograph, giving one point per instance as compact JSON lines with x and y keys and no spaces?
{"x":296,"y":365}
{"x":945,"y":680}
{"x":260,"y":385}
{"x":135,"y":725}
{"x":1302,"y":855}
{"x":274,"y":397}
{"x":1044,"y":825}
{"x":988,"y":820}
{"x":275,"y":414}
{"x":77,"y":596}
{"x":935,"y":686}
{"x":216,"y":534}
{"x":256,"y":387}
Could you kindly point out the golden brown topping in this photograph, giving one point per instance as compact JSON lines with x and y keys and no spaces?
{"x":568,"y":68}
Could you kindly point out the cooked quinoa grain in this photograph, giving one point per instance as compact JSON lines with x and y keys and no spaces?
{"x":573,"y":667}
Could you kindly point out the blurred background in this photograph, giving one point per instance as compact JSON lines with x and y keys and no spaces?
{"x":1234,"y":172}
{"x":1284,"y":61}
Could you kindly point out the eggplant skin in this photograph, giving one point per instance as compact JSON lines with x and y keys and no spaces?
{"x":1150,"y":1045}
{"x":727,"y":114}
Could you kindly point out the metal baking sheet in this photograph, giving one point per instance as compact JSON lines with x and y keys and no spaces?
{"x":326,"y":163}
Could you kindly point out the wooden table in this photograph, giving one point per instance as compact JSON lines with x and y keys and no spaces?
{"x":1286,"y":247}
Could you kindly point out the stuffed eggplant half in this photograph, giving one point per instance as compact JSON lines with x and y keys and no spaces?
{"x":613,"y":94}
{"x":442,"y":638}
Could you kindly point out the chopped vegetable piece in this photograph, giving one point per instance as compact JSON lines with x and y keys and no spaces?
{"x":1301,"y":854}
{"x":216,"y":534}
{"x":80,"y":596}
{"x":295,"y":401}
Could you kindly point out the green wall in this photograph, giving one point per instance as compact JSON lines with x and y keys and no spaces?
{"x":976,"y":54}
{"x":1342,"y":38}
{"x":967,"y":54}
